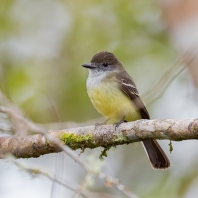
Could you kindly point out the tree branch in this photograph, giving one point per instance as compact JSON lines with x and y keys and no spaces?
{"x":34,"y":170}
{"x":103,"y":136}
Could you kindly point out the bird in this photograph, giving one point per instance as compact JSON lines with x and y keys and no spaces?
{"x":114,"y":94}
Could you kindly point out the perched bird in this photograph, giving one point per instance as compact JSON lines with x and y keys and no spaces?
{"x":114,"y":94}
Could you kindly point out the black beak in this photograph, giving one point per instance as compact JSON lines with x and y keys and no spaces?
{"x":89,"y":66}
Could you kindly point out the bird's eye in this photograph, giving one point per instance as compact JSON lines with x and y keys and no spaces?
{"x":105,"y":64}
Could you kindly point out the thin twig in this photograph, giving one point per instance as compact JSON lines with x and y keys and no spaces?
{"x":169,"y":76}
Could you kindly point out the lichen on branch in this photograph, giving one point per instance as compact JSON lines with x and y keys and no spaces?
{"x":103,"y":136}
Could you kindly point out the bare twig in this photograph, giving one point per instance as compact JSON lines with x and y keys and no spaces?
{"x":82,"y":186}
{"x":162,"y":86}
{"x":170,"y":75}
{"x":35,"y":170}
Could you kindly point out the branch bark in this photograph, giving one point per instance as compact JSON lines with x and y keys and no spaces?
{"x":103,"y":136}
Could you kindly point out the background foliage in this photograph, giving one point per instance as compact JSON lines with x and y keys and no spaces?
{"x":42,"y":46}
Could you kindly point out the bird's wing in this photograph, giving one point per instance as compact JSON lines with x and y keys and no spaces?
{"x":128,"y":86}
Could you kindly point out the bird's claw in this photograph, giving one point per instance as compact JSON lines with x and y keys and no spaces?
{"x":100,"y":124}
{"x":117,"y":124}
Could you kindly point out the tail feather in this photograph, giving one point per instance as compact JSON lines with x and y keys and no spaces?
{"x":156,"y":155}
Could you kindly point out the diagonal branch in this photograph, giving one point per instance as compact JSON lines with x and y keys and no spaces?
{"x":34,"y":170}
{"x":103,"y":136}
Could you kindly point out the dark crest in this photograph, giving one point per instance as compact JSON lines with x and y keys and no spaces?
{"x":103,"y":57}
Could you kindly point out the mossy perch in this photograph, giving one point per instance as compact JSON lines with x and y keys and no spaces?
{"x":103,"y":136}
{"x":75,"y":141}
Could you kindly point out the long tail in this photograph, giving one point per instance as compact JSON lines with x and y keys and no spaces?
{"x":156,"y":155}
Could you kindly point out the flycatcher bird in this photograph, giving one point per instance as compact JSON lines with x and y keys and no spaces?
{"x":114,"y":94}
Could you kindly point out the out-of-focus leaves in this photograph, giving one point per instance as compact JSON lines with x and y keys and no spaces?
{"x":55,"y":38}
{"x":42,"y":46}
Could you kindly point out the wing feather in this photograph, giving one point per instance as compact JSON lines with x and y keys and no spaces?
{"x":156,"y":155}
{"x":128,"y":86}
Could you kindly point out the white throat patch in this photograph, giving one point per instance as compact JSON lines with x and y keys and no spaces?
{"x":95,"y":78}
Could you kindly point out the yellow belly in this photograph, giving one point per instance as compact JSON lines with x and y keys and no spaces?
{"x":113,"y":103}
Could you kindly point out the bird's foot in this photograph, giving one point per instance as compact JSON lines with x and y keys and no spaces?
{"x":117,"y":124}
{"x":103,"y":123}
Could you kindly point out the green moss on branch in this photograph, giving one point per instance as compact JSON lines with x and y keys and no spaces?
{"x":75,"y":141}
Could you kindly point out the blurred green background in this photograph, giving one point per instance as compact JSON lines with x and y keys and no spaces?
{"x":44,"y":43}
{"x":42,"y":46}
